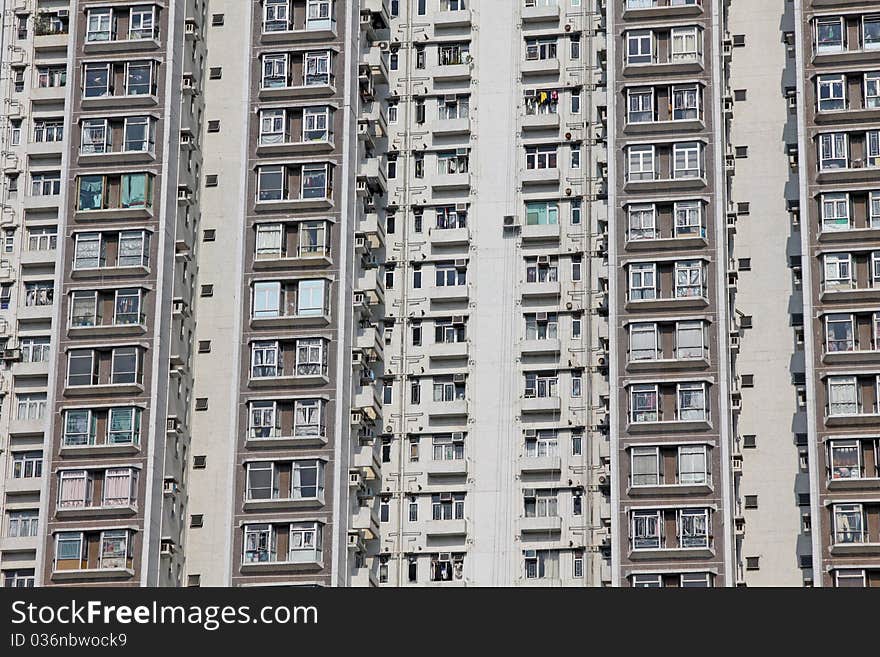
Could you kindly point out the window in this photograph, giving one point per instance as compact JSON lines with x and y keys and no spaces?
{"x":316,"y":124}
{"x":30,"y":406}
{"x":541,"y":157}
{"x":640,"y":162}
{"x":686,"y":161}
{"x":642,"y":281}
{"x":274,"y":71}
{"x":843,"y":396}
{"x":849,"y":525}
{"x":124,"y":365}
{"x":138,"y":78}
{"x":46,"y":183}
{"x":839,"y":333}
{"x":136,"y":190}
{"x":137,"y":135}
{"x":642,"y":222}
{"x":643,"y":342}
{"x":838,"y":270}
{"x":542,"y":444}
{"x":99,"y":25}
{"x":646,"y":581}
{"x":835,"y":211}
{"x":872,"y":90}
{"x":315,"y":181}
{"x":695,"y":581}
{"x":448,"y":447}
{"x":22,"y":523}
{"x":447,"y":389}
{"x":831,"y":92}
{"x":267,"y":299}
{"x":689,"y":279}
{"x":265,"y":358}
{"x":95,"y":137}
{"x":48,"y":130}
{"x":540,"y":503}
{"x":871,"y":32}
{"x":541,"y":214}
{"x":833,"y":148}
{"x":686,"y":44}
{"x":640,"y":105}
{"x":538,"y":271}
{"x":447,"y":506}
{"x":142,"y":23}
{"x":51,"y":76}
{"x":646,"y":530}
{"x":645,"y":466}
{"x":644,"y":403}
{"x":693,"y":528}
{"x":73,"y":489}
{"x":692,"y":464}
{"x":691,"y":402}
{"x":134,"y":248}
{"x":317,"y":68}
{"x":685,"y":103}
{"x":449,"y":275}
{"x":27,"y":465}
{"x":845,"y":578}
{"x":452,"y":54}
{"x":123,"y":426}
{"x":689,"y":340}
{"x":541,"y":385}
{"x":269,"y":240}
{"x":34,"y":349}
{"x":310,"y":298}
{"x":639,"y":47}
{"x":542,"y":327}
{"x":829,"y":35}
{"x":39,"y":293}
{"x":845,"y":459}
{"x":310,"y":357}
{"x":540,"y":49}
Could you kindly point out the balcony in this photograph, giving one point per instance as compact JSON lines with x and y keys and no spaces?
{"x":540,"y":464}
{"x":540,"y":14}
{"x":451,"y":127}
{"x":450,"y":293}
{"x":451,"y":182}
{"x":449,"y":236}
{"x":90,"y":574}
{"x":448,"y":350}
{"x":544,"y":289}
{"x":98,"y":511}
{"x":366,"y":521}
{"x":536,"y":177}
{"x":447,"y":468}
{"x":445,"y":528}
{"x":540,"y":122}
{"x":540,"y":232}
{"x":551,"y":346}
{"x":452,"y":73}
{"x":459,"y":18}
{"x":540,"y":67}
{"x":451,"y":409}
{"x":541,"y":404}
{"x":641,"y":9}
{"x":540,"y":525}
{"x":320,"y":32}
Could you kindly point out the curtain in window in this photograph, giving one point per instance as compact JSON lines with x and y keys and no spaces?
{"x":843,"y":398}
{"x":121,"y":429}
{"x":692,"y":465}
{"x":117,"y":487}
{"x":91,"y":192}
{"x":72,"y":491}
{"x":307,"y":419}
{"x":269,"y":239}
{"x":134,"y":190}
{"x":131,"y":249}
{"x":311,"y":298}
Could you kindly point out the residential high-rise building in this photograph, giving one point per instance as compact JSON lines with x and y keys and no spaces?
{"x":439,"y":292}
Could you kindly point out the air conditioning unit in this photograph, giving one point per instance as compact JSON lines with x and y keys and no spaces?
{"x":510,"y":221}
{"x":461,"y":207}
{"x":530,"y":93}
{"x":528,"y":492}
{"x":530,"y":433}
{"x":354,"y":540}
{"x":450,"y":99}
{"x":63,"y":13}
{"x":603,"y":479}
{"x":530,"y":554}
{"x":458,"y":320}
{"x":461,"y":151}
{"x":166,"y":547}
{"x":459,"y":378}
{"x":355,"y":478}
{"x":541,"y":317}
{"x":543,"y":260}
{"x":457,"y":436}
{"x":461,"y":263}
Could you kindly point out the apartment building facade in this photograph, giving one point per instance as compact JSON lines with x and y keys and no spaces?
{"x":837,"y":62}
{"x":439,"y":293}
